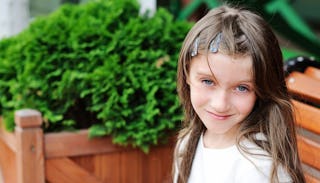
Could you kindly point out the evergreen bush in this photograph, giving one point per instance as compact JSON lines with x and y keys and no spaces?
{"x":97,"y":65}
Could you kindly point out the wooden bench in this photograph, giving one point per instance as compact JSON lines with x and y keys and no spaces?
{"x":305,"y":88}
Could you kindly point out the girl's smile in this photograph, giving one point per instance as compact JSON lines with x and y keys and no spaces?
{"x":219,"y":116}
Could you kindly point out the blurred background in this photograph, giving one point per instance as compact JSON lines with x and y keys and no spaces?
{"x":297,"y":22}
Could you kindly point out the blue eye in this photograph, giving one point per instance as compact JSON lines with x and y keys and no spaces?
{"x":242,"y":88}
{"x":207,"y":82}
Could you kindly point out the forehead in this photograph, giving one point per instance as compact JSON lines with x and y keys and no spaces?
{"x":223,"y":67}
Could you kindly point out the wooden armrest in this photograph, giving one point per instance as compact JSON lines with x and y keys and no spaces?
{"x":304,"y":86}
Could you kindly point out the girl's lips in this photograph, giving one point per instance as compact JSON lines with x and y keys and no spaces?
{"x":218,"y":116}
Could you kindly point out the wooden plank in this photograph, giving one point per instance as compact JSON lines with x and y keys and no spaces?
{"x":29,"y":154}
{"x":152,"y":162}
{"x":304,"y":86}
{"x":313,"y":72}
{"x":309,"y":152}
{"x":307,"y":116}
{"x":107,"y":166}
{"x":131,"y":166}
{"x":8,"y":138}
{"x":7,"y":164}
{"x":64,"y":170}
{"x":158,"y":160}
{"x":30,"y":161}
{"x":312,"y":175}
{"x":311,"y":179}
{"x":166,"y":161}
{"x":86,"y":162}
{"x":77,"y":144}
{"x":27,"y":118}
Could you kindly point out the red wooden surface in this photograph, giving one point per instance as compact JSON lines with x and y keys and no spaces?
{"x":34,"y":157}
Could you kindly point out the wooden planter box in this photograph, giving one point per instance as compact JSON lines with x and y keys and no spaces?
{"x":30,"y":156}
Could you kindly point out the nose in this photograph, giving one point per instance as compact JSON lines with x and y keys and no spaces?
{"x":220,"y":101}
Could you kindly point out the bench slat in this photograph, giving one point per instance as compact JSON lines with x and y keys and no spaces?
{"x":309,"y":151}
{"x":311,"y":179}
{"x":306,"y":116}
{"x":313,"y":72}
{"x":304,"y":86}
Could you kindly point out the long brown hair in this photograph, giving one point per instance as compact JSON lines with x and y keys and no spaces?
{"x":244,"y":33}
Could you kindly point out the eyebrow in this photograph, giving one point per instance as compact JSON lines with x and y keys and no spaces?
{"x":199,"y":73}
{"x":205,"y":74}
{"x":211,"y":75}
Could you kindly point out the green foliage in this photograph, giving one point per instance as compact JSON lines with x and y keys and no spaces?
{"x":97,"y":65}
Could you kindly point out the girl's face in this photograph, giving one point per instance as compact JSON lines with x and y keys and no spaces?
{"x":223,"y":96}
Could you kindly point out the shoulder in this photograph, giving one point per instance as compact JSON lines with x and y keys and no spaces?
{"x":257,"y":164}
{"x":254,"y":163}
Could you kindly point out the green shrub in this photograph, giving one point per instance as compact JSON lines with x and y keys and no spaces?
{"x":97,"y":65}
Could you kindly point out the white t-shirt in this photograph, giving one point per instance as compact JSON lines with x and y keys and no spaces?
{"x":228,"y":165}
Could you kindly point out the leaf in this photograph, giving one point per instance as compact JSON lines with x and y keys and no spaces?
{"x":97,"y":131}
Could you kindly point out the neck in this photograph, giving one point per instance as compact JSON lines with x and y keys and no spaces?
{"x":220,"y":141}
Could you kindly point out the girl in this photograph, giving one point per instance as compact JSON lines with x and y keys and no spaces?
{"x":239,"y":124}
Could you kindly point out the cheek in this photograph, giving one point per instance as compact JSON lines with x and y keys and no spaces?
{"x":246,"y":104}
{"x":198,"y":96}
